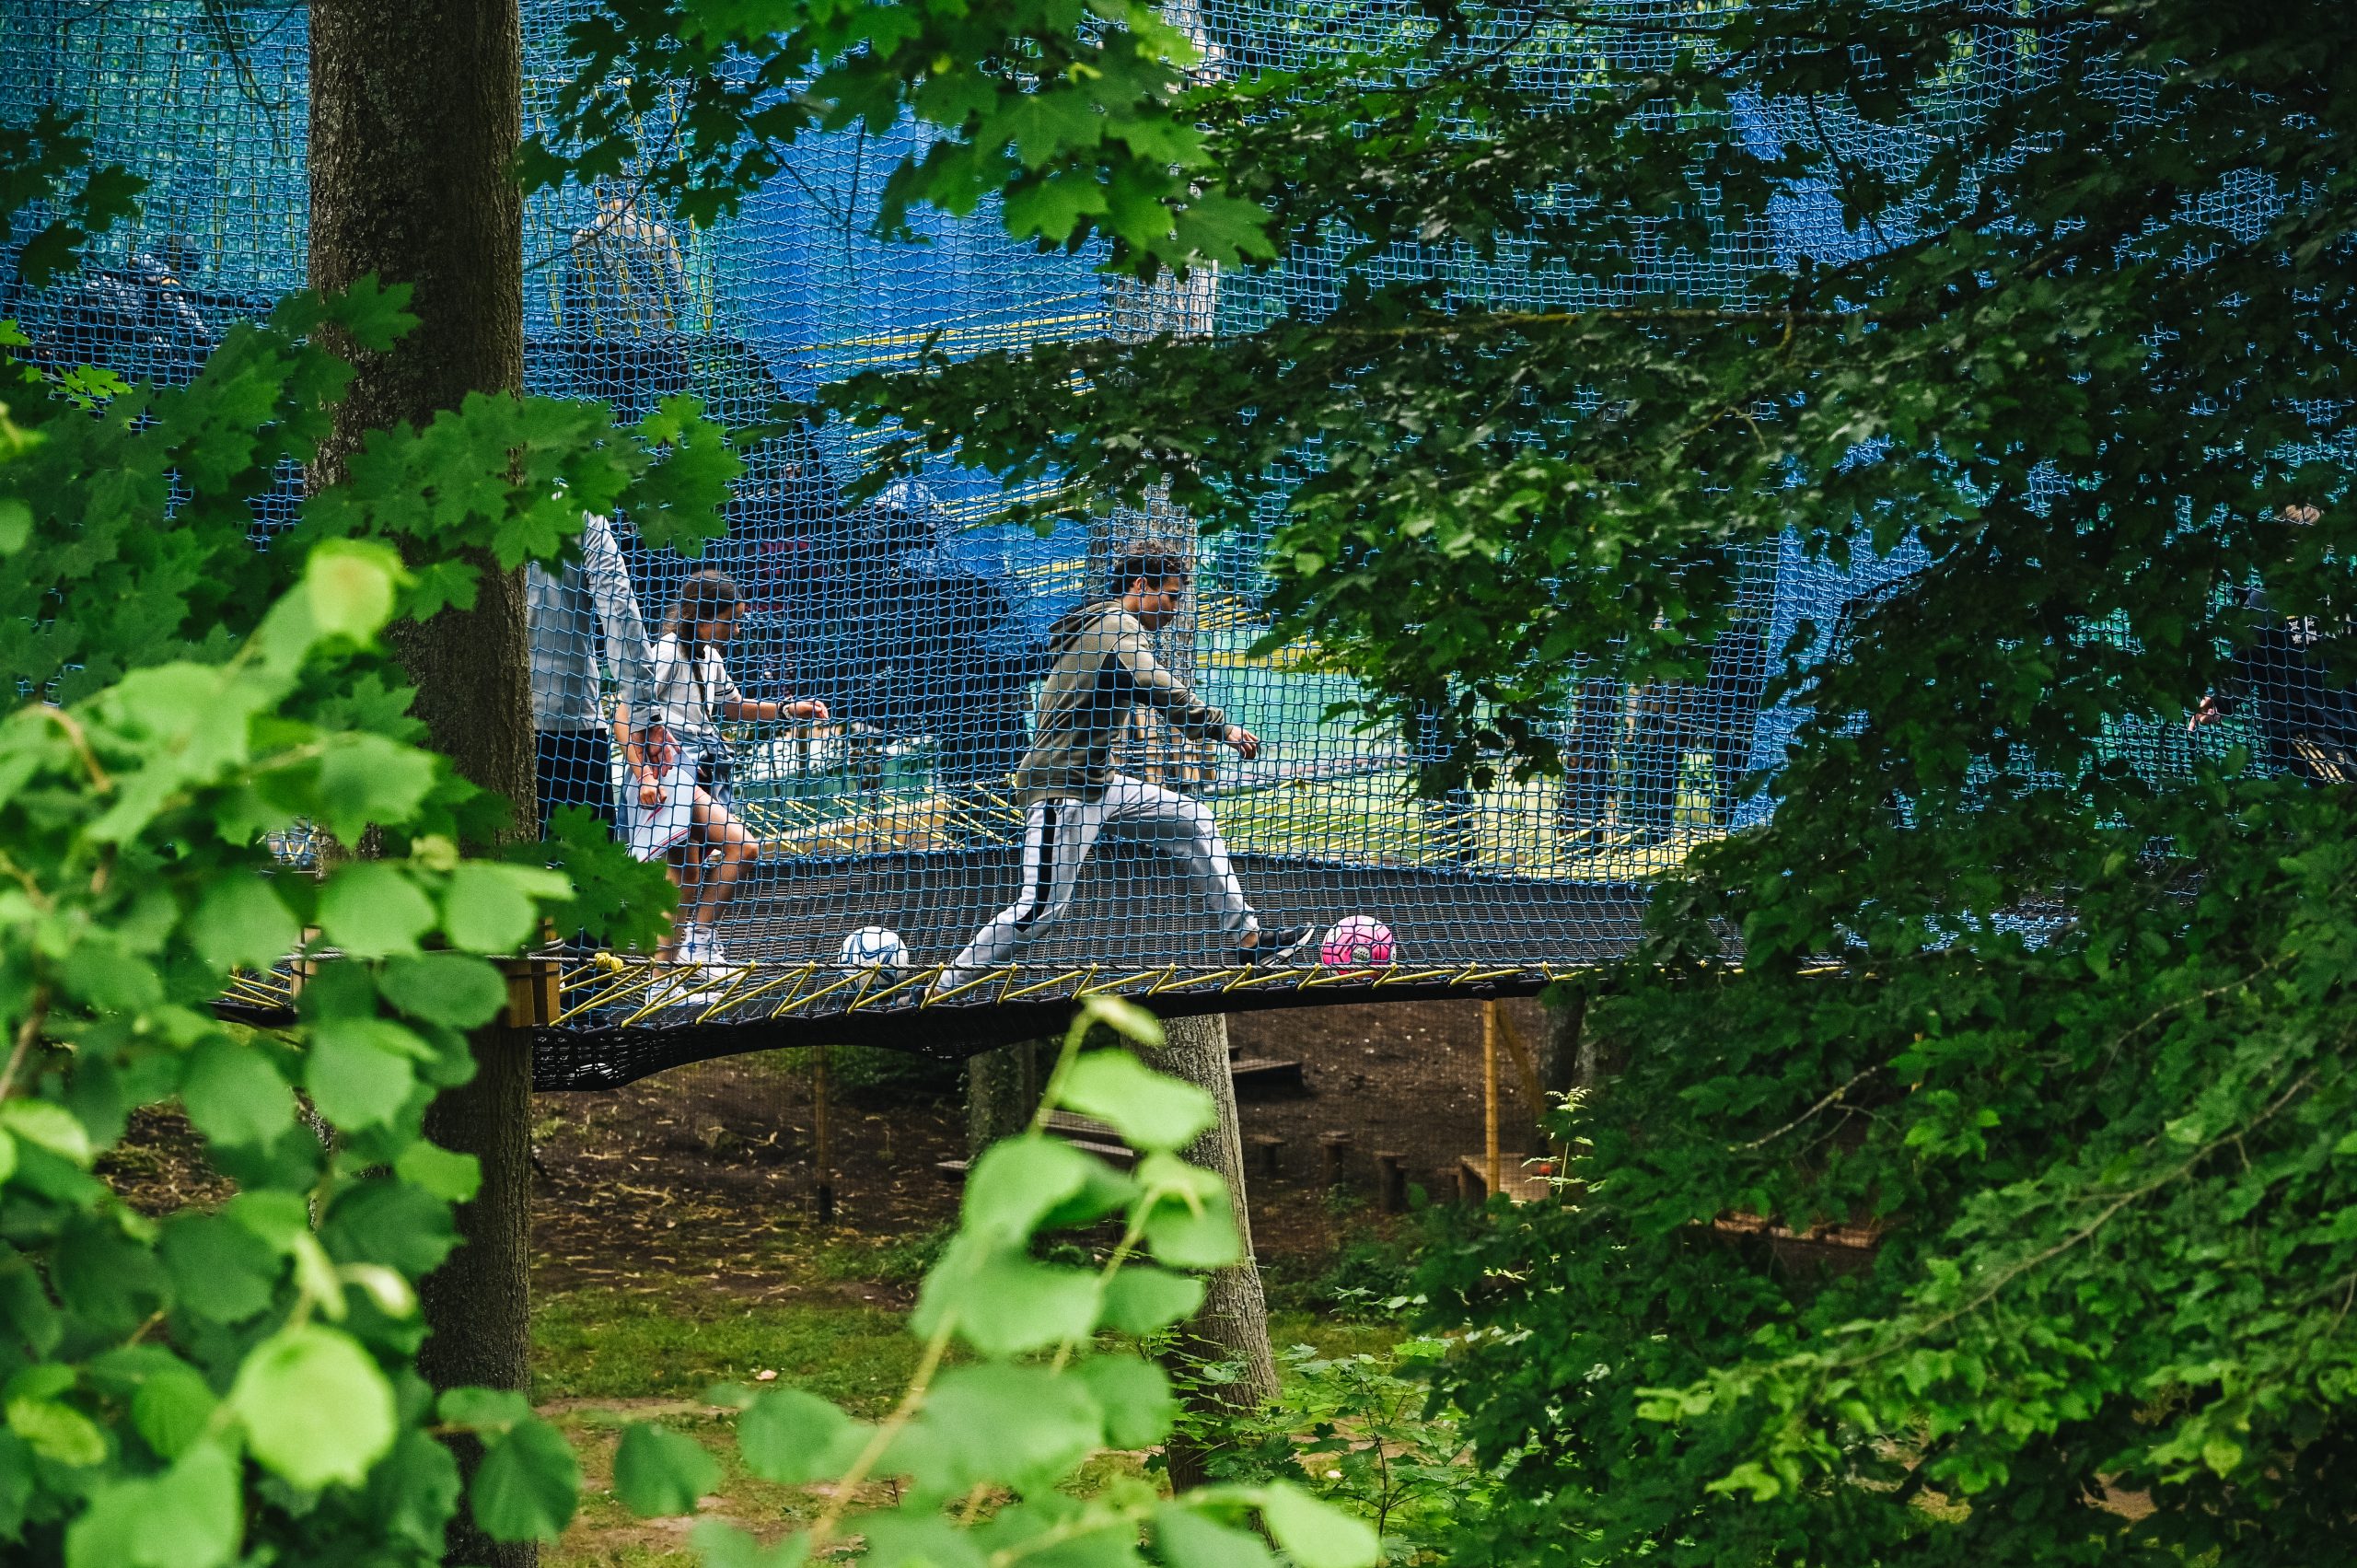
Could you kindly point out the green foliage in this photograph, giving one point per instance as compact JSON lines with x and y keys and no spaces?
{"x":239,"y":1385}
{"x":2067,"y":1039}
{"x":1044,"y":1394}
{"x":1078,"y":117}
{"x":2050,"y":1001}
{"x":48,"y":161}
{"x":1362,"y":1430}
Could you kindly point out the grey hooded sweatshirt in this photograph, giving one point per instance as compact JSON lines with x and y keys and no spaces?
{"x":1104,"y":667}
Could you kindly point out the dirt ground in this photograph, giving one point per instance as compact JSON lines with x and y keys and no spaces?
{"x":715,"y":1165}
{"x":1398,"y":1077}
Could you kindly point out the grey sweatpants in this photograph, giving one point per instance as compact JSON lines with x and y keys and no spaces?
{"x":1057,"y":838}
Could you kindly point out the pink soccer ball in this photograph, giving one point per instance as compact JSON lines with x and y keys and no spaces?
{"x":1356,"y":942}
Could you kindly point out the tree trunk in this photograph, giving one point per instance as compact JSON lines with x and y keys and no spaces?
{"x":1002,"y":1092}
{"x":415,"y":116}
{"x":1563,"y":1046}
{"x":1232,"y":1327}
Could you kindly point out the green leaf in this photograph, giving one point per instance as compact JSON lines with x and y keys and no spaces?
{"x":242,"y":923}
{"x":917,"y":1536}
{"x":371,"y":910}
{"x":1009,"y":1304}
{"x":1135,"y":1396}
{"x":794,"y":1438}
{"x":454,"y":1177}
{"x":361,"y":1072}
{"x":395,"y":1223}
{"x":1317,"y":1534}
{"x":1018,"y":1182}
{"x":171,"y":1410}
{"x":1190,"y":1225}
{"x":528,"y":1485}
{"x":658,"y":1472}
{"x":1185,"y":1539}
{"x":220,"y":1268}
{"x":719,"y":1544}
{"x":47,"y":1125}
{"x":445,"y":988}
{"x":349,"y":587}
{"x":489,"y":908}
{"x":57,"y":1431}
{"x":1143,"y":1299}
{"x":316,"y":1409}
{"x":484,"y":1410}
{"x":15,"y":525}
{"x":233,"y":1094}
{"x":1051,"y":208}
{"x":367,"y":780}
{"x":1150,"y":1111}
{"x":1044,"y":126}
{"x":191,"y":1515}
{"x":1019,"y":1425}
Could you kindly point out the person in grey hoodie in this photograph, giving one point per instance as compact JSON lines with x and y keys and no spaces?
{"x":1104,"y":669}
{"x":574,"y":615}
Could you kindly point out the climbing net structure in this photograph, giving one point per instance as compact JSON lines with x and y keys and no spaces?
{"x":969,"y":784}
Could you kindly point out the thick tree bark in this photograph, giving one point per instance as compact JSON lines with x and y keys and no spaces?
{"x":415,"y":116}
{"x":1232,"y":1327}
{"x":1003,"y":1092}
{"x":1563,"y":1045}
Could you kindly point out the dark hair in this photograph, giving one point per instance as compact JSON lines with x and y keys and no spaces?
{"x":705,"y":596}
{"x":1156,"y":566}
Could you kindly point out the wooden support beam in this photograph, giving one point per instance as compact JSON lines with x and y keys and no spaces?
{"x":1492,"y":1171}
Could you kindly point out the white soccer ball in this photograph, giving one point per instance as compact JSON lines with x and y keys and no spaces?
{"x":875,"y":947}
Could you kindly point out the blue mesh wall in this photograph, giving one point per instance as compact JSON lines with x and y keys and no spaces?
{"x":890,"y":831}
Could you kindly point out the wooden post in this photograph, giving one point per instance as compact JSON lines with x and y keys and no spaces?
{"x":1491,"y":1162}
{"x":822,"y":1135}
{"x":1336,"y":1148}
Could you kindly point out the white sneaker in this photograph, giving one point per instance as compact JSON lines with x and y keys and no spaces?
{"x":687,"y":986}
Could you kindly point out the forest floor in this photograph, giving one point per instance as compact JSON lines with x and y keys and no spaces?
{"x":678,"y":1242}
{"x":678,"y":1245}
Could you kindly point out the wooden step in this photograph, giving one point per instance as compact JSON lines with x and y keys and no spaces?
{"x":1265,"y":1072}
{"x":1516,"y":1180}
{"x":1073,"y":1127}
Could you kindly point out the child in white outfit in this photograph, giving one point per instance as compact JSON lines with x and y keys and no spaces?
{"x":685,"y":815}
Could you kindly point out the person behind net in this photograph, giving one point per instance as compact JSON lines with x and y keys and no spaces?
{"x":705,"y":845}
{"x":2282,"y":683}
{"x":1103,"y":668}
{"x":571,"y":614}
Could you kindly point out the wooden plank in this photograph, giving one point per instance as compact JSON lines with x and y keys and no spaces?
{"x":1518,"y":1182}
{"x":1265,"y":1072}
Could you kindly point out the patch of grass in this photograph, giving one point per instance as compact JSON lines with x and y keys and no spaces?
{"x":1332,"y":1337}
{"x":596,"y":1343}
{"x":898,"y":1261}
{"x":605,"y":1534}
{"x":1364,"y":1267}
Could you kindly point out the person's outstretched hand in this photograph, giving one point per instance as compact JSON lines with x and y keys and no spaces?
{"x":1247,"y":744}
{"x":809,"y":708}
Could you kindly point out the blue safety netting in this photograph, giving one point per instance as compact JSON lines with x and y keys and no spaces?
{"x":890,"y":831}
